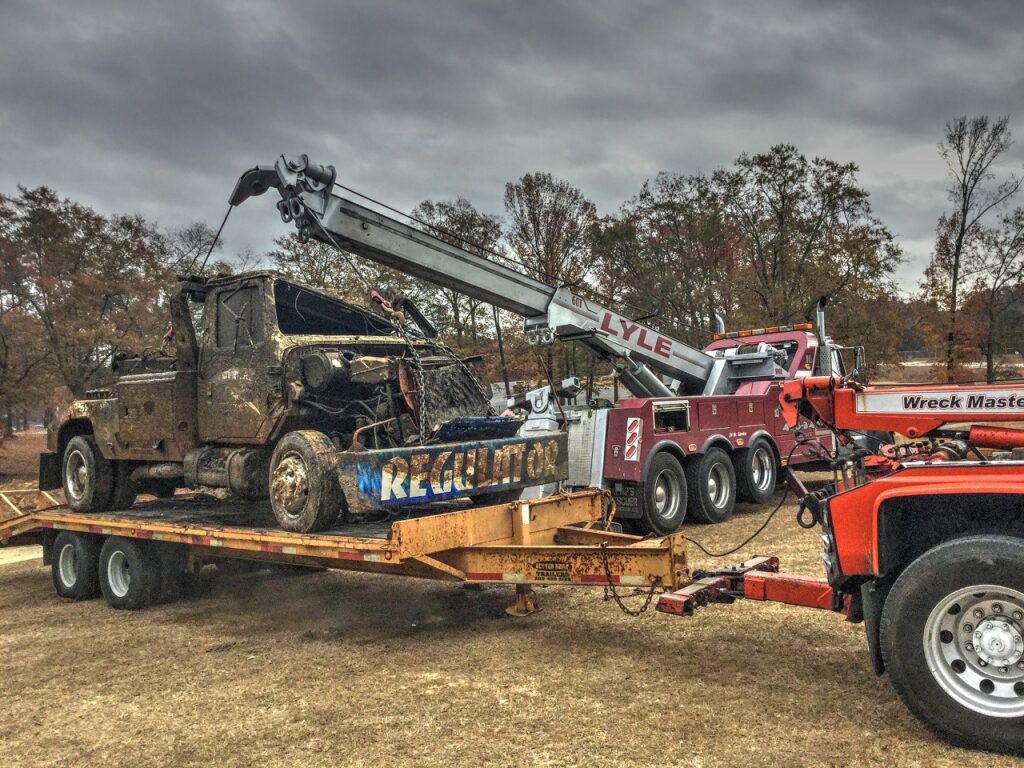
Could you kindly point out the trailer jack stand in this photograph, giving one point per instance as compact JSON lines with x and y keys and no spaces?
{"x":526,"y":601}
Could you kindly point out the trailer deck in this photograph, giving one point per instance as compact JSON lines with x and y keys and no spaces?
{"x":561,"y":539}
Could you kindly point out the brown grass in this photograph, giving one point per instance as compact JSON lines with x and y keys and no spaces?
{"x":349,"y":669}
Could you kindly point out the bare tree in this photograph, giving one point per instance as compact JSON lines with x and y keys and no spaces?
{"x":549,"y":225}
{"x":997,"y":267}
{"x":971,"y":147}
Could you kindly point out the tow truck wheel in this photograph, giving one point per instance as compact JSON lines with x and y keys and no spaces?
{"x":75,"y":559}
{"x":305,"y":488}
{"x":663,"y":496}
{"x":129,"y":574}
{"x":952,"y":638}
{"x":712,"y":482}
{"x":756,"y":472}
{"x":88,"y":477}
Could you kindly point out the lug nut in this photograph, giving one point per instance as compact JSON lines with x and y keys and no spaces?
{"x":1018,"y":615}
{"x":978,"y":613}
{"x":968,"y":627}
{"x":969,"y":646}
{"x":1003,"y":669}
{"x":982,"y":663}
{"x":997,"y":608}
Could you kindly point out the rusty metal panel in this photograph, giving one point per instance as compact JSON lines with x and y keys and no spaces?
{"x":403,"y":476}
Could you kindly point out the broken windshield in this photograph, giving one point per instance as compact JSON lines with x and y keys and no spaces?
{"x":301,"y":311}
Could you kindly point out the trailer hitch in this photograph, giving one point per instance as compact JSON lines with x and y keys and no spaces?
{"x":723,"y":585}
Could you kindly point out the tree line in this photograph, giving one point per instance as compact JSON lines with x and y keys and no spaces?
{"x":755,"y":243}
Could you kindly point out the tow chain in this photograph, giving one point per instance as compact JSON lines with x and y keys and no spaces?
{"x":610,"y":592}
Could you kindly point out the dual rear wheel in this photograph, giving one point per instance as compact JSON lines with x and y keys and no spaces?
{"x":707,"y":488}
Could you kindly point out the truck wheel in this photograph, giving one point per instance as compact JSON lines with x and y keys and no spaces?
{"x":75,"y":566}
{"x":662,"y":496}
{"x":126,"y":490}
{"x":952,"y":638}
{"x":305,"y":489}
{"x":88,"y":477}
{"x":129,"y":574}
{"x":756,"y":472}
{"x":712,"y":482}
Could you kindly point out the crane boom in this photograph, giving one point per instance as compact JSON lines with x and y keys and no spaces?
{"x":642,"y":354}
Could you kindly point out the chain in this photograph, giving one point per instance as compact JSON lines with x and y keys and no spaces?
{"x":612,"y":593}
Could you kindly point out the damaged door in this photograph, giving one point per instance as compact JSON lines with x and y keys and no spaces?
{"x":233,"y":377}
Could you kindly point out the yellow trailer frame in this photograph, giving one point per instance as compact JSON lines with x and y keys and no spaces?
{"x":560,"y":539}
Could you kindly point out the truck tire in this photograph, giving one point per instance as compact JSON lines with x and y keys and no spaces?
{"x":126,"y":490}
{"x":129,"y":573}
{"x":75,"y":565}
{"x":757,"y":472}
{"x":712,"y":482}
{"x":950,"y":626}
{"x":88,"y":478}
{"x":662,"y":496}
{"x":305,"y":488}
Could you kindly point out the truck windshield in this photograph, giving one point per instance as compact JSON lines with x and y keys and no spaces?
{"x":301,"y":311}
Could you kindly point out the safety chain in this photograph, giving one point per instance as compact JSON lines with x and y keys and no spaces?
{"x":611,"y":593}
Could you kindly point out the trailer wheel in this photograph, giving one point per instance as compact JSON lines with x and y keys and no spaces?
{"x":129,"y":573}
{"x":952,"y":637}
{"x":662,"y":496}
{"x":757,"y":472}
{"x":88,"y":477}
{"x":712,"y":482}
{"x":75,"y":566}
{"x":305,"y":488}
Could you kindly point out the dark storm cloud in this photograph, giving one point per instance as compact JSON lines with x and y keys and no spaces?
{"x":157,"y":107}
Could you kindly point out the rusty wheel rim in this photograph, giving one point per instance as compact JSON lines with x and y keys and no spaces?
{"x":290,"y":484}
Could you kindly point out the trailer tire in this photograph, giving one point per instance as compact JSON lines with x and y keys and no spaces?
{"x":305,"y":487}
{"x":662,"y":496}
{"x":87,"y":477}
{"x":757,"y":472}
{"x":75,"y":565}
{"x":712,"y":482}
{"x":950,"y":676}
{"x":130,"y":574}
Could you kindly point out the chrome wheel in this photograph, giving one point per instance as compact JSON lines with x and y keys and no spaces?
{"x":974,"y":647}
{"x":718,"y":486}
{"x":762,"y":469}
{"x":289,"y":484}
{"x":67,"y":565}
{"x":76,"y":475}
{"x":119,"y":575}
{"x":668,"y":494}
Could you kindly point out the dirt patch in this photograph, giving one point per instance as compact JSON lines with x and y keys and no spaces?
{"x":337,"y":668}
{"x":19,"y":458}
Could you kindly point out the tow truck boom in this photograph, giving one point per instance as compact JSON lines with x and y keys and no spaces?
{"x":642,"y":354}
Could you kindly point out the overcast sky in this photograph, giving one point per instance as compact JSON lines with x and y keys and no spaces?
{"x":156,"y":108}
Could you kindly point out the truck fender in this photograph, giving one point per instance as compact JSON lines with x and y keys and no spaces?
{"x":716,"y":441}
{"x":767,"y":436}
{"x":663,"y":445}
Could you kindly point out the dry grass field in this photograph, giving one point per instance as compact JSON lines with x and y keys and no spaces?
{"x":349,"y":669}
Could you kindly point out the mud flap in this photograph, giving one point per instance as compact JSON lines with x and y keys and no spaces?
{"x":872,"y":599}
{"x":49,"y":471}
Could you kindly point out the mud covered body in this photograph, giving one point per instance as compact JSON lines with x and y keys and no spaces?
{"x":257,"y":357}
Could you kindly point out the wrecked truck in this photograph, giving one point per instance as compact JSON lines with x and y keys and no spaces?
{"x":270,"y":388}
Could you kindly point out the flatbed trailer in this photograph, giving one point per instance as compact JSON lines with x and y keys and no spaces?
{"x":561,"y":539}
{"x":565,"y":539}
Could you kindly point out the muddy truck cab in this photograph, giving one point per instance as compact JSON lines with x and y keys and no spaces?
{"x":267,"y":387}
